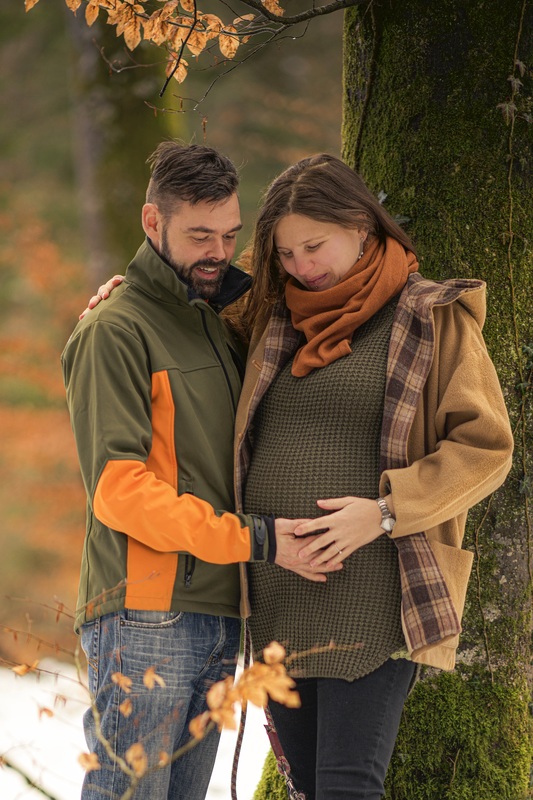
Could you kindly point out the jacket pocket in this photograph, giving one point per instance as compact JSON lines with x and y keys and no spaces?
{"x":190,"y":566}
{"x":456,"y":566}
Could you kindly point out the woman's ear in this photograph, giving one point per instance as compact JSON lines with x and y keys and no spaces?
{"x":152,"y":223}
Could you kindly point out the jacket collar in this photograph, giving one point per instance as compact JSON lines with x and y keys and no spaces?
{"x":153,"y":276}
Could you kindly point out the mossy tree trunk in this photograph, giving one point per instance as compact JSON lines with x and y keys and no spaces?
{"x":437,"y":116}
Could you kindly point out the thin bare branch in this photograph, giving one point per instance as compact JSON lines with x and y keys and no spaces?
{"x":304,"y":16}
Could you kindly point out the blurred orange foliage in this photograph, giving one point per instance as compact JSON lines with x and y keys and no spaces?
{"x":42,"y":291}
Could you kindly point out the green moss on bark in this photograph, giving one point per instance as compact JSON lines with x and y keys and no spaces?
{"x":462,"y":738}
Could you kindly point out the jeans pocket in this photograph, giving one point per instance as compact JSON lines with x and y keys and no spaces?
{"x":150,"y":619}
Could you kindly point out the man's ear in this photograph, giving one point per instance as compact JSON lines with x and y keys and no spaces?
{"x":152,"y":223}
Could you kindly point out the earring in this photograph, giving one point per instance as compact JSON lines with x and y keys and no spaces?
{"x":362,"y":252}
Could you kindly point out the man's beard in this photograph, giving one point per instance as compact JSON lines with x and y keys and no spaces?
{"x":204,"y":287}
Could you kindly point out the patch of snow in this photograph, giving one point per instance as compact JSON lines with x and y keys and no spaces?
{"x":47,"y":747}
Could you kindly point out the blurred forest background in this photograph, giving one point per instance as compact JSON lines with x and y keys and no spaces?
{"x":74,"y":137}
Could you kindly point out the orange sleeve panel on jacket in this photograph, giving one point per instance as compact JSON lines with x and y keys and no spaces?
{"x":131,"y":499}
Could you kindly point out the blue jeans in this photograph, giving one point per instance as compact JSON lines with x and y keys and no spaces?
{"x":189,"y":652}
{"x":339,"y":743}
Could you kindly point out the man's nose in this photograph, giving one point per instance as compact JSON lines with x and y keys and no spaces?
{"x":216,"y":250}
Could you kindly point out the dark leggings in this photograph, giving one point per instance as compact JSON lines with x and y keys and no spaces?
{"x":340,"y":742}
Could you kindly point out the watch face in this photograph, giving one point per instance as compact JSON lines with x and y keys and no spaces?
{"x":388,"y":524}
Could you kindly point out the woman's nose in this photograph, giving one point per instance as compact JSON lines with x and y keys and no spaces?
{"x":302,"y":265}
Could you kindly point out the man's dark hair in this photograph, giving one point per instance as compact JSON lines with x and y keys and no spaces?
{"x":192,"y":173}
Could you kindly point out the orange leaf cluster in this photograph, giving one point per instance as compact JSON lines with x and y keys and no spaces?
{"x":179,"y":23}
{"x":256,"y":684}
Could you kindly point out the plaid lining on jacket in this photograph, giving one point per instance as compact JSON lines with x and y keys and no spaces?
{"x":429,"y":615}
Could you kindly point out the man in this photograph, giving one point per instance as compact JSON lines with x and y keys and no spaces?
{"x":153,"y":378}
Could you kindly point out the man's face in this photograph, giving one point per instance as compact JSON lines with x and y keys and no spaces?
{"x":198,"y":241}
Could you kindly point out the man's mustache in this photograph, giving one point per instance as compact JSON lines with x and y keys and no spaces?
{"x":209,"y":263}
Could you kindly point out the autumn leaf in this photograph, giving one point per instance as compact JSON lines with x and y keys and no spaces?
{"x":28,"y":4}
{"x":273,"y":6}
{"x":274,"y":653}
{"x":187,"y":5}
{"x":244,"y":18}
{"x":89,"y":761}
{"x":198,"y":725}
{"x":137,"y":759}
{"x":23,"y":669}
{"x":197,"y":42}
{"x":91,"y":12}
{"x":73,"y":4}
{"x":132,"y":33}
{"x":180,"y":73}
{"x":150,"y":679}
{"x":164,"y":759}
{"x":228,"y":44}
{"x":212,"y":25}
{"x":122,"y":681}
{"x":126,"y":708}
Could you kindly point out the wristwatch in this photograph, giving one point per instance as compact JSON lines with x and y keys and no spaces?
{"x":387,"y":520}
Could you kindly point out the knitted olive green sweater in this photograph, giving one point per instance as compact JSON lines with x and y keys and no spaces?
{"x":318,"y":437}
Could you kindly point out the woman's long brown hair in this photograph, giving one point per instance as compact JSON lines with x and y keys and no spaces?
{"x":323,"y":188}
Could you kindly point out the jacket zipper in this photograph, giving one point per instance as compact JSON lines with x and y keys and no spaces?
{"x":190,"y":564}
{"x":221,"y":362}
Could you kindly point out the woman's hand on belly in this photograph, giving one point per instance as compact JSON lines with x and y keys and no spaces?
{"x":289,"y":548}
{"x":352,"y":523}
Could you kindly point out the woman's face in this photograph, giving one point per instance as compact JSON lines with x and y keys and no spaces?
{"x":317,"y":254}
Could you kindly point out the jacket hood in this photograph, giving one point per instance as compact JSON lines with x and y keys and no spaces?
{"x":471,"y":293}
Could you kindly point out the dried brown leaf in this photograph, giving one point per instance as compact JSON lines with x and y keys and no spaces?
{"x":91,"y":12}
{"x":273,"y":6}
{"x":227,"y":42}
{"x":73,"y":4}
{"x":23,"y":669}
{"x":132,"y":33}
{"x":197,"y":42}
{"x":244,"y":18}
{"x":126,"y":708}
{"x":28,"y":4}
{"x":150,"y":678}
{"x":180,"y":73}
{"x":198,"y":725}
{"x":89,"y":761}
{"x":187,"y":5}
{"x":137,"y":759}
{"x":274,"y":653}
{"x":122,"y":681}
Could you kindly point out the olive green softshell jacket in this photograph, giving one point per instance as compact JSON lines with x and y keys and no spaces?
{"x":152,"y":379}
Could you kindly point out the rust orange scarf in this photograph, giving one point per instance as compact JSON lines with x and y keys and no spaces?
{"x":329,"y":318}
